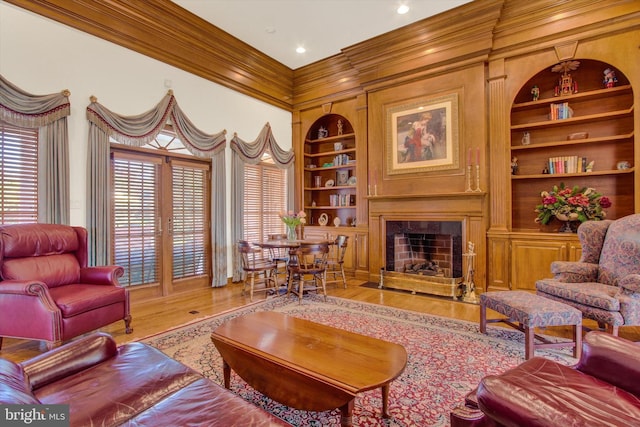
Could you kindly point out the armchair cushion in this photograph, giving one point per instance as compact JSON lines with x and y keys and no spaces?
{"x":576,"y":272}
{"x":76,"y":299}
{"x":598,"y":295}
{"x":52,"y":270}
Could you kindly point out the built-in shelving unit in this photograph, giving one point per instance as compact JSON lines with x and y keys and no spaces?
{"x":599,"y":130}
{"x":330,"y":172}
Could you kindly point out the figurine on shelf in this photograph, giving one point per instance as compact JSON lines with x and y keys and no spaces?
{"x":590,"y":166}
{"x":566,"y":85}
{"x":514,"y":165}
{"x":610,"y":78}
{"x":545,"y":170}
{"x":535,"y":93}
{"x":340,"y":127}
{"x":526,"y":138}
{"x":322,"y":132}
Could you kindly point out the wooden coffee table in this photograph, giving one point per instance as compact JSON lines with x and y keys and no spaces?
{"x":306,"y":365}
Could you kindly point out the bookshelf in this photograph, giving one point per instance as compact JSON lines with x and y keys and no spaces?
{"x":556,"y":136}
{"x":330,"y":172}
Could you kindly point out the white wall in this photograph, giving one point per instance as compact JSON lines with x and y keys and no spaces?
{"x":42,"y":56}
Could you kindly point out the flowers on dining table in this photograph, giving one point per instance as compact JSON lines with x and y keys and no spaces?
{"x":572,"y":204}
{"x":292,"y":218}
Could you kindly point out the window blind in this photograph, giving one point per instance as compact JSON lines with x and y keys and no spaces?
{"x":135,"y":219}
{"x":190,"y":223}
{"x":18,"y":174}
{"x":264,"y":198}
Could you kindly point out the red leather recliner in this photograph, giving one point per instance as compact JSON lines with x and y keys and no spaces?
{"x":47,"y":292}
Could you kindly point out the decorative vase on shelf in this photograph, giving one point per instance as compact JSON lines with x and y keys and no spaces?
{"x":291,"y":232}
{"x":569,"y":227}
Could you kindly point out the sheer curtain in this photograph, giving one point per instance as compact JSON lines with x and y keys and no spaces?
{"x":137,"y":131}
{"x":49,"y":114}
{"x":251,"y":152}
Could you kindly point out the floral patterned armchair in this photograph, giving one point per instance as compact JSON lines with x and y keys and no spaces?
{"x":605,"y":283}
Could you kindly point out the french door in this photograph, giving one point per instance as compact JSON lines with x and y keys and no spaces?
{"x":161,"y":220}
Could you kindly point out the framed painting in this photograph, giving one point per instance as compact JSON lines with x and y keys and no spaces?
{"x":422,"y":136}
{"x":342,"y":177}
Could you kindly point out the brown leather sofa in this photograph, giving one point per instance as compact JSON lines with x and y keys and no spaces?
{"x":133,"y":384}
{"x":603,"y":389}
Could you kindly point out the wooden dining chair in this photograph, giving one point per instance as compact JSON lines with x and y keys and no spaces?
{"x":257,"y":269}
{"x":308,"y":268}
{"x":335,"y":261}
{"x":280,"y":256}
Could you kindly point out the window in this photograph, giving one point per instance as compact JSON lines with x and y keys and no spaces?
{"x":18,"y":174}
{"x":265,"y":197}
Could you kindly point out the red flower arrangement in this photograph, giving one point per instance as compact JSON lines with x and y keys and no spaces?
{"x":572,"y":204}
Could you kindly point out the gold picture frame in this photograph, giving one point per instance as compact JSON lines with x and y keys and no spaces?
{"x":422,"y":136}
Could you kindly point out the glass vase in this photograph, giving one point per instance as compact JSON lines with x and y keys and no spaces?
{"x":291,"y":232}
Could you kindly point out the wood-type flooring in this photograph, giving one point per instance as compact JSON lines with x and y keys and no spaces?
{"x":160,"y":314}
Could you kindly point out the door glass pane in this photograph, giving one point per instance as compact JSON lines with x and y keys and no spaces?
{"x":135,"y":222}
{"x":190,"y":224}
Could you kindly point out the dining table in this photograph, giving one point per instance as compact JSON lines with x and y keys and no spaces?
{"x":274,"y":245}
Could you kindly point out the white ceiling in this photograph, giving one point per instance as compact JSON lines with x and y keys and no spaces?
{"x":323,"y":27}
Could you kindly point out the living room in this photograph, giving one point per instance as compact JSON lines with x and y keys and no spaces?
{"x":481,"y":59}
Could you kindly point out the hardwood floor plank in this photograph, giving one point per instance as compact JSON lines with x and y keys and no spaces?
{"x":160,"y":314}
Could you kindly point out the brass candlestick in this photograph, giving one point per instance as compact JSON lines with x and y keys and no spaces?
{"x":477,"y":190}
{"x":469,"y":189}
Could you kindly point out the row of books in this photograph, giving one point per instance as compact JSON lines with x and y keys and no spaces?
{"x":342,"y":200}
{"x":567,"y":164}
{"x":560,"y":111}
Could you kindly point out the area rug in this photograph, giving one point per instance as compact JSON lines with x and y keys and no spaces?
{"x":447,"y":358}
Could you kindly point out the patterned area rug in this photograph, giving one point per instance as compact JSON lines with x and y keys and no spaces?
{"x":447,"y":358}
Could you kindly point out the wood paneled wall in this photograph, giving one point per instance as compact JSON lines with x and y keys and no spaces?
{"x":483,"y":51}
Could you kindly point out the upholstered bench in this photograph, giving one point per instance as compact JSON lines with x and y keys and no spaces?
{"x":531,"y":311}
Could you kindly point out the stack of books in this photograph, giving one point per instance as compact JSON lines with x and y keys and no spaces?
{"x":560,"y":111}
{"x":567,"y":164}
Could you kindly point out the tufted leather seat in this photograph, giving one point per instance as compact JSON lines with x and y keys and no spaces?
{"x":134,"y":384}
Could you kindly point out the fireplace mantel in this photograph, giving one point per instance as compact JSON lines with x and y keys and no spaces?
{"x":470,"y":208}
{"x":464,"y":195}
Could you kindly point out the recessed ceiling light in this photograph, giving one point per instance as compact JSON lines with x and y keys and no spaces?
{"x":402,"y":9}
{"x":301,"y":49}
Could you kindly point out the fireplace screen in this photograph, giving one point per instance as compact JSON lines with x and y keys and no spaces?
{"x":427,"y":248}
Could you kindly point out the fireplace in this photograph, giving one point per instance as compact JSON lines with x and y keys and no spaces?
{"x":432,"y":248}
{"x":459,"y":214}
{"x":423,"y":256}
